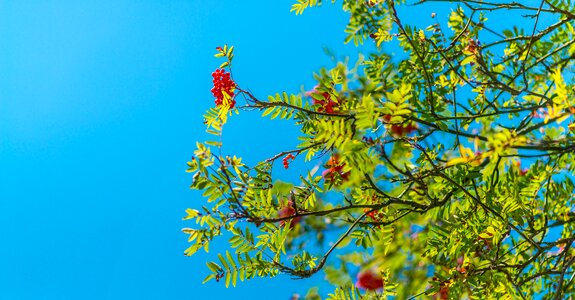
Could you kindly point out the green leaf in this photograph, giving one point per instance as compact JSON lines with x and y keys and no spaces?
{"x":268,"y":111}
{"x":208,"y":278}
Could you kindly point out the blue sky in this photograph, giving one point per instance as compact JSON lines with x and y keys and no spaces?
{"x":101,"y":103}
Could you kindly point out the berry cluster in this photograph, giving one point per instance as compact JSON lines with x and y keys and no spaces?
{"x":374,"y":215}
{"x":223,"y":84}
{"x":288,"y":211}
{"x":323,"y":99}
{"x":334,"y":173}
{"x":399,"y":130}
{"x":473,"y":46}
{"x":286,"y":160}
{"x":369,"y":280}
{"x":443,"y":292}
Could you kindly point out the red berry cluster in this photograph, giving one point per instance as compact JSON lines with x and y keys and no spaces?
{"x":286,"y":160}
{"x":399,"y":130}
{"x":473,"y":46}
{"x":222,"y":83}
{"x":369,"y":280}
{"x":288,"y":211}
{"x":326,"y":104}
{"x":374,"y":215}
{"x":443,"y":292}
{"x":334,"y":170}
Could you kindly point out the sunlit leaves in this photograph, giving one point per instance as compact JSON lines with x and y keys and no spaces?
{"x":447,"y":166}
{"x":299,"y":7}
{"x":283,"y":106}
{"x":334,"y":133}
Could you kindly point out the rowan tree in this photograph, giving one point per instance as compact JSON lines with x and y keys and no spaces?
{"x":444,"y":171}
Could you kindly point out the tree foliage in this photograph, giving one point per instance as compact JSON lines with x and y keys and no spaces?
{"x":446,"y":170}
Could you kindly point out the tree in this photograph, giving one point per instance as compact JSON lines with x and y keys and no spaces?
{"x":447,"y":170}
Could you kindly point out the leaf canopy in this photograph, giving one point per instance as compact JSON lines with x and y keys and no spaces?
{"x":446,"y":170}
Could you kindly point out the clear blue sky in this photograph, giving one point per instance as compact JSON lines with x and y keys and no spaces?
{"x":101,"y":103}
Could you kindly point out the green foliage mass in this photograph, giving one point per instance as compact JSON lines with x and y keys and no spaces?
{"x":447,"y":169}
